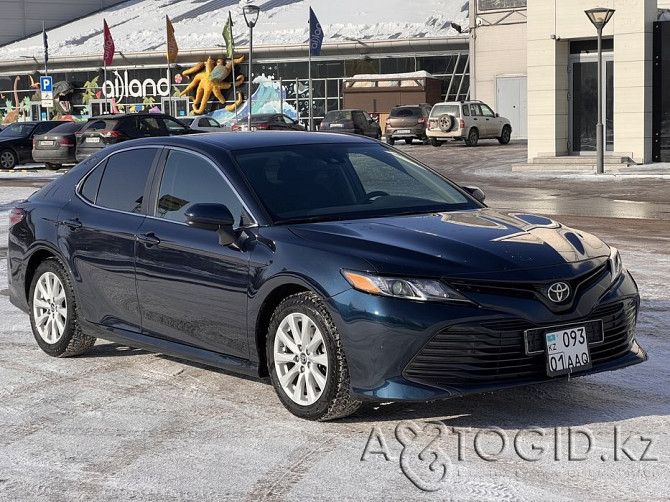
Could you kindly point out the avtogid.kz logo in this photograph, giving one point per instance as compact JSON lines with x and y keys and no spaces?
{"x":424,"y":460}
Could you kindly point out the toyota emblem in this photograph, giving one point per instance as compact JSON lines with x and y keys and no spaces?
{"x":558,"y":292}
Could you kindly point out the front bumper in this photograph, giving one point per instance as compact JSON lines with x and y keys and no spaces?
{"x":403,"y":350}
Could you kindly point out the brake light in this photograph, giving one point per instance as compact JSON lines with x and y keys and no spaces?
{"x":111,"y":134}
{"x":461,"y":124}
{"x":66,"y":142}
{"x":262,"y":126}
{"x":34,"y":142}
{"x":388,"y":122}
{"x":15,"y":216}
{"x":237,"y":127}
{"x":78,"y":133}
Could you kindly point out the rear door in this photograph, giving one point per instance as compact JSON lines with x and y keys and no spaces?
{"x":97,"y":232}
{"x":192,"y":290}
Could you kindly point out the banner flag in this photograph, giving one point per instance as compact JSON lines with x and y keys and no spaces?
{"x":315,"y":34}
{"x":108,"y":55}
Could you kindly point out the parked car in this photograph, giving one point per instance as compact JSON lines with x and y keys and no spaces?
{"x":106,"y":130}
{"x":201,"y":123}
{"x":467,"y":120}
{"x":57,"y":147}
{"x":341,"y":268}
{"x":269,"y":121}
{"x":351,"y":121}
{"x":407,"y":122}
{"x":16,"y":141}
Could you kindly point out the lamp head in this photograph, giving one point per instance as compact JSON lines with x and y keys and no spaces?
{"x":599,"y":16}
{"x":251,"y":14}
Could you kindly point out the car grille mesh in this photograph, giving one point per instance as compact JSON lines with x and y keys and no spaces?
{"x":476,"y":355}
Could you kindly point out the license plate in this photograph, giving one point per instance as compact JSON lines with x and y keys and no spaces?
{"x":335,"y":126}
{"x":93,"y":140}
{"x":403,"y":131}
{"x":46,"y":142}
{"x":567,"y":350}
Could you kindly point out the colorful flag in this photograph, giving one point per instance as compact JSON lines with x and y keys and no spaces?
{"x":228,"y":37}
{"x":315,"y":34}
{"x":172,"y":48}
{"x":45,"y":38}
{"x":108,"y":55}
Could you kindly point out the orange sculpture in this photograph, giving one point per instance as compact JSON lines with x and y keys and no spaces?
{"x":211,"y":81}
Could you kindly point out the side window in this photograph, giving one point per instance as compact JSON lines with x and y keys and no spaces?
{"x":466,"y":111}
{"x":149,"y":126}
{"x":288,"y":120}
{"x":89,"y":189}
{"x":124,"y":179}
{"x":189,"y":179}
{"x":212,"y":123}
{"x":367,"y":117}
{"x":475,"y":110}
{"x":487,"y":112}
{"x":173,"y":126}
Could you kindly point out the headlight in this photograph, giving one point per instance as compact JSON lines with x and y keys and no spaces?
{"x":403,"y":287}
{"x":616,"y":265}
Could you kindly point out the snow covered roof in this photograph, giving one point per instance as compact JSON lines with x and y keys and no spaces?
{"x":139,"y":25}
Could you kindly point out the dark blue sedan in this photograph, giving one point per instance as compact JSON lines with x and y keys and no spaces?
{"x":338,"y":266}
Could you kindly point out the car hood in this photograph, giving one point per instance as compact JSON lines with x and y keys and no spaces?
{"x":482,"y":244}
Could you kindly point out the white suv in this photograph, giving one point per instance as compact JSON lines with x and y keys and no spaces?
{"x":467,"y":120}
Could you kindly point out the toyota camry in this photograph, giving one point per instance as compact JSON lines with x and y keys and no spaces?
{"x":336,"y":265}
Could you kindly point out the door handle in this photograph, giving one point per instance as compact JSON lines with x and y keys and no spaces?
{"x":148,"y":240}
{"x":71,"y":223}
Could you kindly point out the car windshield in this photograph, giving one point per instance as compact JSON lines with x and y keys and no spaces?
{"x":442,"y":109}
{"x":322,"y":182}
{"x":17,"y":130}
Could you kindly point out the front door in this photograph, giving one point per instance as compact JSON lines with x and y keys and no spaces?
{"x":192,"y":290}
{"x":583,"y":102}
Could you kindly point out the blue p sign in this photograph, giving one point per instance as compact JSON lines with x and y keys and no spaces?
{"x":46,"y":84}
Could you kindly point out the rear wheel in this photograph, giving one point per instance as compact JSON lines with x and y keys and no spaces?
{"x":390,"y":141}
{"x":53,"y":312}
{"x":8,"y":159}
{"x":408,"y":141}
{"x":306,"y":362}
{"x":505,"y":135}
{"x":51,"y":167}
{"x":473,"y":137}
{"x":435,"y":142}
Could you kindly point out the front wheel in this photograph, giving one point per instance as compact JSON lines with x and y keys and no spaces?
{"x":306,"y":362}
{"x":390,"y":141}
{"x":505,"y":135}
{"x":8,"y":159}
{"x":53,"y":316}
{"x":473,"y":137}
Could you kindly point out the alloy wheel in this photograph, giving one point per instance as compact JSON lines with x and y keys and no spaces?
{"x":7,"y":160}
{"x":301,"y":359}
{"x":50,"y":308}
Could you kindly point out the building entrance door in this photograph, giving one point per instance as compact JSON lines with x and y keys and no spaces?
{"x":512,"y":103}
{"x":583,"y":102}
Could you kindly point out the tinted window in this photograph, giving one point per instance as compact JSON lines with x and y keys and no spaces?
{"x":404,"y":112}
{"x":124,"y":179}
{"x":89,"y":189}
{"x":337,"y":115}
{"x":326,"y":182}
{"x":189,"y":179}
{"x":150,"y":126}
{"x":67,"y":128}
{"x":43,"y":127}
{"x":173,"y":126}
{"x":98,"y":125}
{"x":18,"y":129}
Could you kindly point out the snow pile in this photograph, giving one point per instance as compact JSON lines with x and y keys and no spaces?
{"x":139,"y":25}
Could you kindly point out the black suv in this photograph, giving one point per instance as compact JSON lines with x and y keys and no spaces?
{"x":16,"y":141}
{"x":351,"y":121}
{"x":407,"y":122}
{"x":111,"y":129}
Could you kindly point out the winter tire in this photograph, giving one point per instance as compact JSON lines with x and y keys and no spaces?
{"x":53,"y":312}
{"x":306,"y":361}
{"x":473,"y":137}
{"x":505,"y":135}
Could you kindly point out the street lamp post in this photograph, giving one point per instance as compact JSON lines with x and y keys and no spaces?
{"x":250,"y":17}
{"x":600,"y":17}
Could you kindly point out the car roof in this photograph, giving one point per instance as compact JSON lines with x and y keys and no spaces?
{"x":110,"y":116}
{"x":256,"y":139}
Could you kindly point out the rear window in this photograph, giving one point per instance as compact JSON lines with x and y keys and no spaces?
{"x":441,"y":109}
{"x":100,"y":124}
{"x":337,"y":115}
{"x":70,"y":127}
{"x":405,"y":112}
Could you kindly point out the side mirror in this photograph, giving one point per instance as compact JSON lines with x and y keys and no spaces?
{"x":497,"y":115}
{"x":216,"y":217}
{"x":476,"y":192}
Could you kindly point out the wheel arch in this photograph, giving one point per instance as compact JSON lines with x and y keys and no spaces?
{"x":11,"y":149}
{"x":36,"y":258}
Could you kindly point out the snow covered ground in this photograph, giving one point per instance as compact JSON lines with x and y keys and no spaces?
{"x":139,"y":25}
{"x":121,"y":423}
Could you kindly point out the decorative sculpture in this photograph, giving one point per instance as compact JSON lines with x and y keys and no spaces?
{"x":212,"y":81}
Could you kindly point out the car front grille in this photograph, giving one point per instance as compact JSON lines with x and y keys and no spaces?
{"x":472,"y":355}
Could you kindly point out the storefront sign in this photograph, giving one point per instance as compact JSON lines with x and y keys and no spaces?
{"x":121,"y":87}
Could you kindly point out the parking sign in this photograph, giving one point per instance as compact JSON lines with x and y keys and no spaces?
{"x":46,"y":84}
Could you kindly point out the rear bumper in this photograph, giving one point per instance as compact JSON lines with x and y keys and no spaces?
{"x":442,"y":135}
{"x":55,"y":156}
